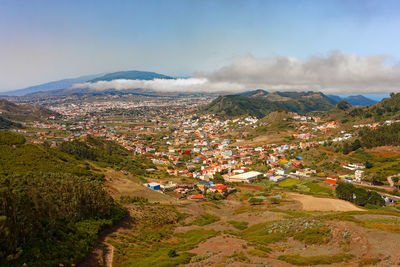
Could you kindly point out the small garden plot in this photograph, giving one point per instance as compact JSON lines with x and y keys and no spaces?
{"x":315,"y":260}
{"x":205,"y":219}
{"x":288,"y":182}
{"x":239,"y":225}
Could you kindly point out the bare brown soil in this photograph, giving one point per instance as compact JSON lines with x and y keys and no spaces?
{"x":251,"y":186}
{"x":311,"y":203}
{"x":120,"y":184}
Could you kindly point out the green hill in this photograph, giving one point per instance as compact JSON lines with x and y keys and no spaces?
{"x":259,"y":103}
{"x":386,"y":109}
{"x":7,"y":124}
{"x":52,"y":201}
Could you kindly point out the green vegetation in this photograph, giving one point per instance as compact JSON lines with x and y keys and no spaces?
{"x":239,"y":225}
{"x":358,"y":195}
{"x":205,"y":219}
{"x":108,"y":154}
{"x":306,"y":186}
{"x":288,"y":182}
{"x":343,"y":105}
{"x":133,"y":200}
{"x":315,"y":260}
{"x":156,"y":245}
{"x":7,"y":124}
{"x":255,"y":201}
{"x":309,"y":231}
{"x":9,"y":138}
{"x":237,"y":257}
{"x":387,"y":135}
{"x":258,"y":253}
{"x":51,"y":219}
{"x":28,"y":158}
{"x":239,"y":105}
{"x":314,"y":235}
{"x":388,"y":108}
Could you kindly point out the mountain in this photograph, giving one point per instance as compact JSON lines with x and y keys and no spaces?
{"x":260,"y":103}
{"x":60,"y":85}
{"x":359,"y":100}
{"x":50,"y":86}
{"x":14,"y":112}
{"x":131,"y":75}
{"x":335,"y":98}
{"x":354,"y":100}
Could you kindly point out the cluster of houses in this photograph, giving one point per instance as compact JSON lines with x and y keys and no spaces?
{"x":191,"y":191}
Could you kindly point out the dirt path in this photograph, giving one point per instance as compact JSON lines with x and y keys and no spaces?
{"x":102,"y":254}
{"x":311,"y":203}
{"x":109,"y":256}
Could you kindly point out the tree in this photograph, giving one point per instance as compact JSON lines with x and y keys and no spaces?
{"x":368,"y":164}
{"x":172,"y":253}
{"x":346,"y":148}
{"x":343,"y":105}
{"x":218,"y":179}
{"x":355,"y":145}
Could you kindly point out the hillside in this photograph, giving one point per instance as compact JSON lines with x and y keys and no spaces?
{"x":386,"y":109}
{"x":14,"y":112}
{"x":131,"y":75}
{"x":7,"y":124}
{"x":259,"y":103}
{"x":359,"y":100}
{"x":52,"y":204}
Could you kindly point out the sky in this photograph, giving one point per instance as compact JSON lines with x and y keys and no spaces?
{"x":332,"y":46}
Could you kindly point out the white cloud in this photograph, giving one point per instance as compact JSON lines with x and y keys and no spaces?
{"x":177,"y":85}
{"x":335,"y":72}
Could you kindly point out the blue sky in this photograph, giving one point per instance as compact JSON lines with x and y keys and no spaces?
{"x":42,"y":41}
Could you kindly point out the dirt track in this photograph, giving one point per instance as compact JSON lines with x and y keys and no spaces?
{"x":311,"y":203}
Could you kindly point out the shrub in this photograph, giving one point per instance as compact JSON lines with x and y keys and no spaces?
{"x":239,"y":225}
{"x":314,"y":235}
{"x":314,"y":260}
{"x":172,"y":253}
{"x":255,"y":201}
{"x":205,"y":219}
{"x":258,"y":253}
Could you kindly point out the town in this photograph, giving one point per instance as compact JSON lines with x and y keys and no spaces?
{"x":203,"y":150}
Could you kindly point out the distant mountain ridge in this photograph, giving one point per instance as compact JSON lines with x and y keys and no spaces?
{"x":354,"y":100}
{"x":61,"y":85}
{"x":55,"y":85}
{"x":131,"y":75}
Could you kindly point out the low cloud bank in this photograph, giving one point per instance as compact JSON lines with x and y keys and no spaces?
{"x":335,"y":72}
{"x":168,"y":85}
